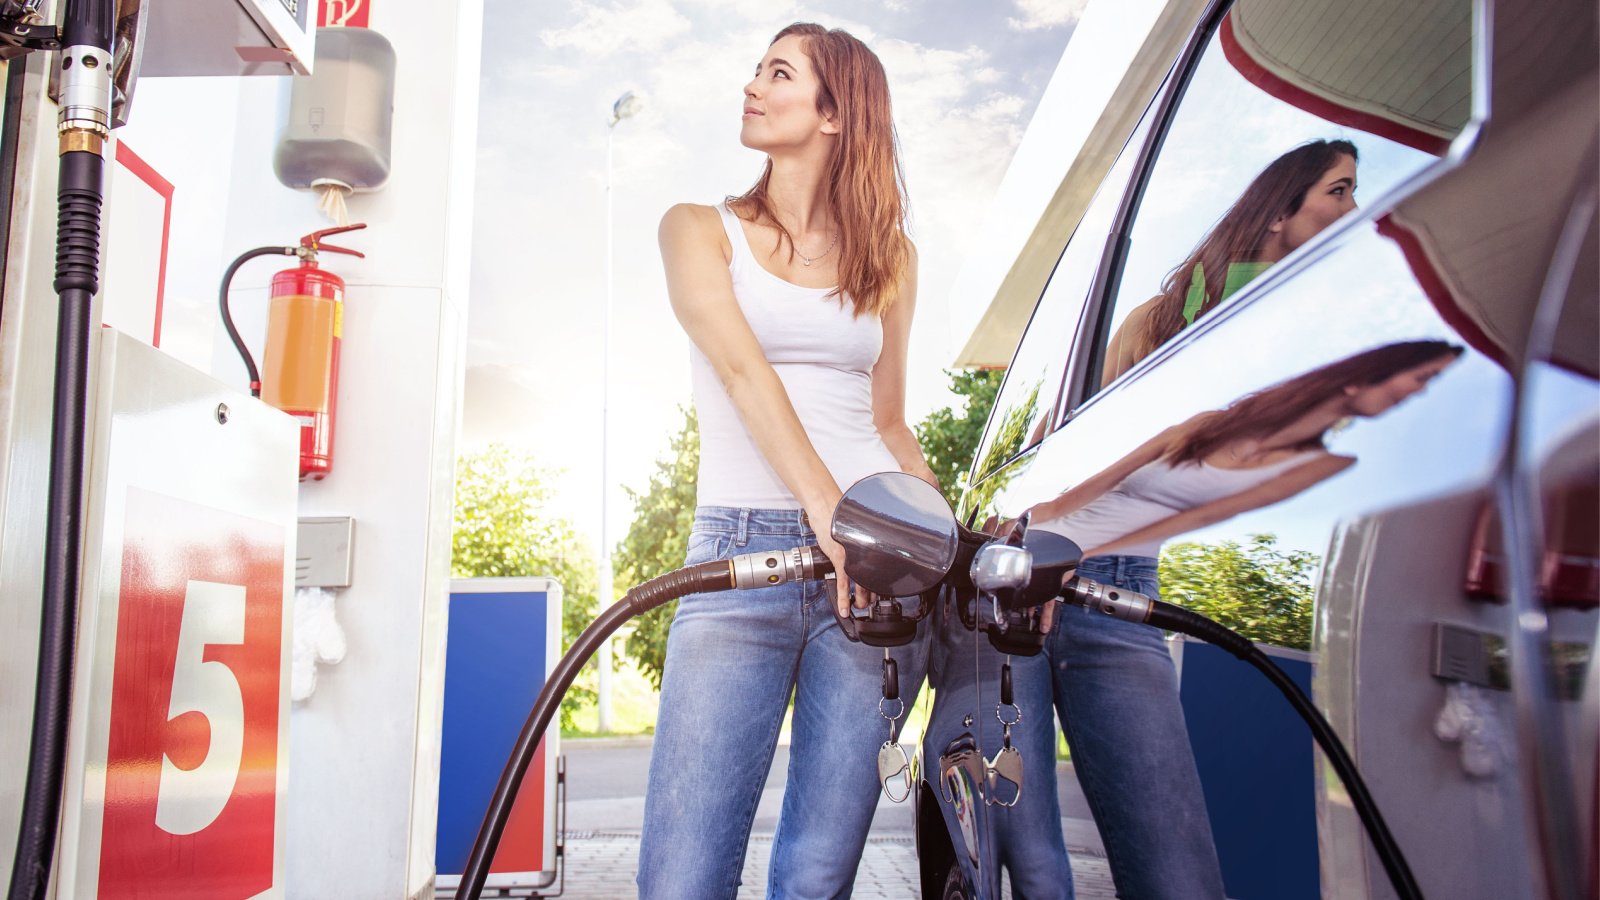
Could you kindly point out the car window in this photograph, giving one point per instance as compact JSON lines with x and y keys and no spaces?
{"x":1292,"y":116}
{"x":1033,"y":380}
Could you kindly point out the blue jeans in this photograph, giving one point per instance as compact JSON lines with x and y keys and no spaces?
{"x":733,"y":659}
{"x":1114,"y":686}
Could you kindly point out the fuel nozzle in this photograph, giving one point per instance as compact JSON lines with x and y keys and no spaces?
{"x":1119,"y":603}
{"x":1015,"y":576}
{"x":772,"y":568}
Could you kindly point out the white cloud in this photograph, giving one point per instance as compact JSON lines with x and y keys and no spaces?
{"x":1039,"y":14}
{"x":606,"y":30}
{"x":767,"y":11}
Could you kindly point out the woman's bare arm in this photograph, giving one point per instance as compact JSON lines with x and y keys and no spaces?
{"x":1124,"y":350}
{"x":889,"y":382}
{"x":1090,"y":489}
{"x":1283,"y":486}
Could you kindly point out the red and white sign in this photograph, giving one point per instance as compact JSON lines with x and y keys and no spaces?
{"x":344,"y":13}
{"x":192,"y":767}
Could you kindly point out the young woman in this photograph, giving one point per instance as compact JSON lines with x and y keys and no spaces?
{"x":1295,"y":197}
{"x":1113,"y":682}
{"x":797,"y":297}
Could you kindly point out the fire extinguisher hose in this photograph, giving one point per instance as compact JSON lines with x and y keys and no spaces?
{"x":227,"y":315}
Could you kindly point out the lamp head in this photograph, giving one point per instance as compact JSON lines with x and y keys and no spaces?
{"x":627,"y":105}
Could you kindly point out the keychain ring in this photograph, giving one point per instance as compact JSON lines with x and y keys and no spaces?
{"x":898,"y":712}
{"x":1000,"y":715}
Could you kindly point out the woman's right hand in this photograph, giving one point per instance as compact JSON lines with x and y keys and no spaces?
{"x":822,"y":524}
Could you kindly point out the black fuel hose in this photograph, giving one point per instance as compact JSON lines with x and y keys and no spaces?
{"x":748,"y":570}
{"x":227,"y":315}
{"x":86,"y":96}
{"x":1135,"y":607}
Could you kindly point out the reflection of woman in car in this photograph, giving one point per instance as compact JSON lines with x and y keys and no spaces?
{"x":1113,"y":682}
{"x":1295,"y":197}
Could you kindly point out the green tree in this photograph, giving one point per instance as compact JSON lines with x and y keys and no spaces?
{"x":658,"y":540}
{"x":1010,"y":435}
{"x":1256,"y":589}
{"x":949,"y":437}
{"x":503,"y":528}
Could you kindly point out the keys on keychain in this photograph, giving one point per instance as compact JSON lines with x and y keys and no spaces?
{"x":894,"y":766}
{"x":1006,"y":766}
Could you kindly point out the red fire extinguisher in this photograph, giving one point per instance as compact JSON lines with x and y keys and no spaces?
{"x":305,"y":326}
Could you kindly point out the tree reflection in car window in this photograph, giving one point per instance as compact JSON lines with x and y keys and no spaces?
{"x":1034,"y":377}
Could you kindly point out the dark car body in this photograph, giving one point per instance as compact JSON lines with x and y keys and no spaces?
{"x":1458,"y":544}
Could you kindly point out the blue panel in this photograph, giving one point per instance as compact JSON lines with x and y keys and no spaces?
{"x":494,"y":669}
{"x":1256,"y":766}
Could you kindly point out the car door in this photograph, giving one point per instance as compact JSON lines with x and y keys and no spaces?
{"x":1365,"y":563}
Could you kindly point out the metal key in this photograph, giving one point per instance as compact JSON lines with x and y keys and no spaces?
{"x":1007,"y":763}
{"x":894,"y":771}
{"x":1006,"y":766}
{"x":894,"y":766}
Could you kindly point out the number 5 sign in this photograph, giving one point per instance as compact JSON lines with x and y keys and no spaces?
{"x":191,"y":775}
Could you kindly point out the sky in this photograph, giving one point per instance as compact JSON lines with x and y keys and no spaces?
{"x":965,"y":78}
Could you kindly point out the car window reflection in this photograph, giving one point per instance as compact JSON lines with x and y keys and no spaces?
{"x":1263,"y":448}
{"x":1294,"y":198}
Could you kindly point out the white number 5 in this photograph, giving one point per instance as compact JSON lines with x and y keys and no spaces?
{"x":189,"y":800}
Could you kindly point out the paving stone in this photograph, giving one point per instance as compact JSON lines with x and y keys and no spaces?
{"x":600,"y":866}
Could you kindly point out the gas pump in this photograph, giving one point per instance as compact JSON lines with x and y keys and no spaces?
{"x":304,"y":331}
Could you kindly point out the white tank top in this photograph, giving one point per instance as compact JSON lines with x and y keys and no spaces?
{"x":1155,"y":491}
{"x":824,"y":356}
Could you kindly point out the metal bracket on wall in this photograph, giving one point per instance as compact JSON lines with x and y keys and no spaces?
{"x":1480,"y":657}
{"x":324,"y":550}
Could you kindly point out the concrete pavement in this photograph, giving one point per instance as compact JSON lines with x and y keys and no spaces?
{"x":605,"y":804}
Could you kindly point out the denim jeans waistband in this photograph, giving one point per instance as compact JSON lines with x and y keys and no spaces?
{"x":742,"y":522}
{"x":1118,"y":568}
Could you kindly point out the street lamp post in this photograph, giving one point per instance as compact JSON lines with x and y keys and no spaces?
{"x":627,"y":105}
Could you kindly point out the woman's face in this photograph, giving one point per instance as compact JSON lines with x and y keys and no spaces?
{"x":1333,"y":195}
{"x":780,"y":102}
{"x":1377,"y":399}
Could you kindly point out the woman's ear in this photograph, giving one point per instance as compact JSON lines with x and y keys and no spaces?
{"x":1277,"y":225}
{"x":830,"y":123}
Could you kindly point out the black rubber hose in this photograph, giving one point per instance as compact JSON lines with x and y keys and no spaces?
{"x":1176,"y":618}
{"x":89,"y":22}
{"x":77,"y":280}
{"x":711,"y":576}
{"x":227,"y":315}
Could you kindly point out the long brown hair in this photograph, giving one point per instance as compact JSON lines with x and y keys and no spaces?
{"x":1266,"y":411}
{"x":1240,"y":234}
{"x":866,"y":187}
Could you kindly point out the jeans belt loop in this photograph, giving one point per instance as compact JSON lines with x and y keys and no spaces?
{"x":743,"y":537}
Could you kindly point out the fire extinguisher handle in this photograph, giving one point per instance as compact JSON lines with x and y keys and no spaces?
{"x":313,"y":241}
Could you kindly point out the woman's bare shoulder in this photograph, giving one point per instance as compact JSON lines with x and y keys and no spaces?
{"x":690,"y":216}
{"x":693,"y":225}
{"x":1138,"y":315}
